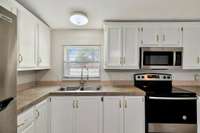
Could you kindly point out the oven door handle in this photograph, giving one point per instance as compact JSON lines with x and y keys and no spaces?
{"x":173,"y":98}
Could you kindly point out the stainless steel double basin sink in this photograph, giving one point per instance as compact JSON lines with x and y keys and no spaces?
{"x":79,"y":88}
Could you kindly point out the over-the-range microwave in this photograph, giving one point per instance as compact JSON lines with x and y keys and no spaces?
{"x":161,"y":58}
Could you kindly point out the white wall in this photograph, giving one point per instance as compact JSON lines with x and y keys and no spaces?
{"x":81,"y":37}
{"x":26,"y":77}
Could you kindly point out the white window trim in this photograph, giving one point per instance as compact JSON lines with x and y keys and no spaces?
{"x":65,"y":78}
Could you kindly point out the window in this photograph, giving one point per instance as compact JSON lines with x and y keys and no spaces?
{"x":79,"y":59}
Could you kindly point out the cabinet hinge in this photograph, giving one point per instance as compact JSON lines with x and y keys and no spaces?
{"x":102,"y":99}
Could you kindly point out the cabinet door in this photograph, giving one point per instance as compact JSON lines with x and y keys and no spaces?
{"x":149,"y":35}
{"x":198,"y":115}
{"x":191,"y":39}
{"x":113,"y":46}
{"x":130,"y":47}
{"x":29,"y":129}
{"x":113,"y":115}
{"x":27,"y":39}
{"x":44,"y":46}
{"x":62,"y":115}
{"x":41,"y":122}
{"x":171,"y":36}
{"x":89,"y":114}
{"x":134,"y":114}
{"x":25,"y":122}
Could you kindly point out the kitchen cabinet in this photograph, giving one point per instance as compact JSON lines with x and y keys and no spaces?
{"x":121,"y":46}
{"x":62,"y":115}
{"x":161,"y":35}
{"x":9,"y":5}
{"x":42,"y":117}
{"x":33,"y":40}
{"x":27,"y":26}
{"x":76,"y":114}
{"x":124,"y":114}
{"x":25,"y":122}
{"x":43,"y":46}
{"x":134,"y":114}
{"x":113,"y":114}
{"x":191,"y":39}
{"x":35,"y":119}
{"x":113,"y":48}
{"x":89,"y":114}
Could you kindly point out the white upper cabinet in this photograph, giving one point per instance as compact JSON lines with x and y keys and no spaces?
{"x":149,"y":35}
{"x":9,"y":5}
{"x":44,"y":46}
{"x":130,"y":47}
{"x":27,"y":26}
{"x":191,"y":41}
{"x":161,"y":35}
{"x":113,"y":46}
{"x":33,"y":41}
{"x":121,"y":46}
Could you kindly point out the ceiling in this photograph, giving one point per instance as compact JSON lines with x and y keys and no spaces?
{"x":56,"y":12}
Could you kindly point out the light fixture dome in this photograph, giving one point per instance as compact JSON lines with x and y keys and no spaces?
{"x":79,"y":18}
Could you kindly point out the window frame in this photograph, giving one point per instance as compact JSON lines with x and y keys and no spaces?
{"x":75,"y":77}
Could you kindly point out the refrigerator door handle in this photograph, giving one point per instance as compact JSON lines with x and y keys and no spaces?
{"x":4,"y":103}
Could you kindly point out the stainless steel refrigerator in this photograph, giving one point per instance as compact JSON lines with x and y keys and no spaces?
{"x":8,"y":58}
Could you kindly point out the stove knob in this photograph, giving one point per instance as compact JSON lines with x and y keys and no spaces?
{"x":164,"y":77}
{"x":142,"y":77}
{"x":184,"y":117}
{"x":168,"y":77}
{"x":138,"y":77}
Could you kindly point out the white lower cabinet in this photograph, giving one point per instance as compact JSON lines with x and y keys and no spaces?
{"x":25,"y":122}
{"x":34,"y":120}
{"x":42,"y":119}
{"x":124,"y":114}
{"x":76,"y":114}
{"x":62,"y":114}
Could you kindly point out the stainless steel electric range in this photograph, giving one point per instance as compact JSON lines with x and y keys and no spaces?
{"x":168,"y":109}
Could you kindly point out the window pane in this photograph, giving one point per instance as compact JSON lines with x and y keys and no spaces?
{"x":81,"y":58}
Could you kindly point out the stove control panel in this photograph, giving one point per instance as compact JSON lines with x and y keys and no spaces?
{"x":153,"y":76}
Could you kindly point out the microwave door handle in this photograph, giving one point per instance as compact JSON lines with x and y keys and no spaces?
{"x":173,"y":98}
{"x":174,"y":59}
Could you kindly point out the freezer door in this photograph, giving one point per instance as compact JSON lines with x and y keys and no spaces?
{"x":8,"y":59}
{"x":8,"y":118}
{"x":8,"y":56}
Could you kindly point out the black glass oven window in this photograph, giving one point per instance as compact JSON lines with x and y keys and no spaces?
{"x":158,"y":58}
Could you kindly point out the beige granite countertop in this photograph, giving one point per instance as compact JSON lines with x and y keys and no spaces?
{"x":195,"y":89}
{"x":30,"y":97}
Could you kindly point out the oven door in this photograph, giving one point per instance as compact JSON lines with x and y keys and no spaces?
{"x":160,"y":58}
{"x":171,"y":114}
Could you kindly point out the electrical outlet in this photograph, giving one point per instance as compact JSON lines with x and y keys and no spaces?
{"x":197,"y":76}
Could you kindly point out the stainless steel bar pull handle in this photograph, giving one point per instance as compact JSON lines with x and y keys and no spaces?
{"x":173,"y":98}
{"x":125,"y":104}
{"x":77,"y":104}
{"x":157,"y":38}
{"x":73,"y":104}
{"x":120,"y":104}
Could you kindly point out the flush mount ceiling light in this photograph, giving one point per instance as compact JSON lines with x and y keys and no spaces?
{"x":79,"y":18}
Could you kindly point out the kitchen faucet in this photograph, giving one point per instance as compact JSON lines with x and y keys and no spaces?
{"x":82,"y":81}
